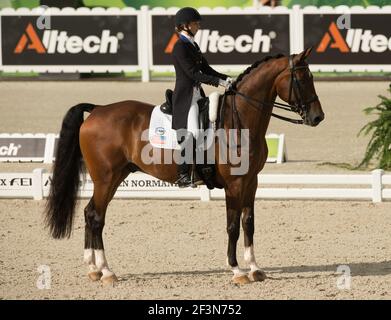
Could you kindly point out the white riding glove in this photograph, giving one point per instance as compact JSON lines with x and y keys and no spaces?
{"x":226,"y":83}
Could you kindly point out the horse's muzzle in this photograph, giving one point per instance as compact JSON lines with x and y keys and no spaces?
{"x":314,"y":115}
{"x":314,"y":120}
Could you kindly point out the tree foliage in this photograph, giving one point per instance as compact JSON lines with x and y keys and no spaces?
{"x":335,"y":3}
{"x":379,"y":146}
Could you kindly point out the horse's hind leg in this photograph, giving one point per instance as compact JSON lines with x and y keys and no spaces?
{"x":95,"y":220}
{"x":89,"y":255}
{"x":95,"y":213}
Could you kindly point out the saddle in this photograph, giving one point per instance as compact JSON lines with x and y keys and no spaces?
{"x":203,"y":108}
{"x":207,"y":172}
{"x":166,"y":107}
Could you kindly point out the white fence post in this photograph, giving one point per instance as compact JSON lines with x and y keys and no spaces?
{"x":204,"y":193}
{"x":281,"y":149}
{"x":296,"y":30}
{"x":377,"y":185}
{"x":49,"y":148}
{"x":143,"y":42}
{"x":38,"y":184}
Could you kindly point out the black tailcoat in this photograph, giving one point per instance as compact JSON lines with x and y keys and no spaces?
{"x":191,"y":70}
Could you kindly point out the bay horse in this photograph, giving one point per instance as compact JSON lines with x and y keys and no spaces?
{"x":109,"y":143}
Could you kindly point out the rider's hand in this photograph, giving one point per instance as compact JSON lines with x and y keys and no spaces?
{"x":224,"y":83}
{"x":229,"y":80}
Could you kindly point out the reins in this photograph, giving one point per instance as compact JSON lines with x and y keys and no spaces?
{"x":299,"y":106}
{"x":260,"y":104}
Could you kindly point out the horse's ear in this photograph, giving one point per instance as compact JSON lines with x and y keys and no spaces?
{"x":307,"y":52}
{"x":303,"y":55}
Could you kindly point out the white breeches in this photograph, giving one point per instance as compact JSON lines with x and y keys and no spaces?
{"x":193,"y":116}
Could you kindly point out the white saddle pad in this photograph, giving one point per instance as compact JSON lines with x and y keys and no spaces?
{"x":161,"y":135}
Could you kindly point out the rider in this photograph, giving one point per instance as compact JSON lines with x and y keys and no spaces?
{"x":191,"y":69}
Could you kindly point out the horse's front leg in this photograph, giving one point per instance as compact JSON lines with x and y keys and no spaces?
{"x":234,"y":211}
{"x":256,"y":274}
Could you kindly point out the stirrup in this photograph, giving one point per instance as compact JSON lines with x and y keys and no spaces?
{"x":195,"y":179}
{"x":184,"y":181}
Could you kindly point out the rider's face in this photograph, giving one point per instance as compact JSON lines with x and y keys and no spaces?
{"x":194,"y":27}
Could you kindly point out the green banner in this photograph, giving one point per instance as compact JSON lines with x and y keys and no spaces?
{"x":334,"y":3}
{"x":19,"y":3}
{"x":169,"y":3}
{"x":272,"y":146}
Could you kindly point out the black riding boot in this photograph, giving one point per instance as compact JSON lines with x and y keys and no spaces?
{"x":184,"y":179}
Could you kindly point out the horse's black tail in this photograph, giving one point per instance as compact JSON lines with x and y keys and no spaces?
{"x":61,"y":203}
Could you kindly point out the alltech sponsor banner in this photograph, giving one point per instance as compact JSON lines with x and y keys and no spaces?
{"x":226,"y":39}
{"x":367,"y":42}
{"x":72,"y":40}
{"x":22,"y":148}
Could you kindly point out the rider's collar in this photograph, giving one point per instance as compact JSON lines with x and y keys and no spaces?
{"x":185,"y":37}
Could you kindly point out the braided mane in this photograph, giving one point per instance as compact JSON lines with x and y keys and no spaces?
{"x":253,"y":66}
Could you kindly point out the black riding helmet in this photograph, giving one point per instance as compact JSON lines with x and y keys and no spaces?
{"x":187,"y":15}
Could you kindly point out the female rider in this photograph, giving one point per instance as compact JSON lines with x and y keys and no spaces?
{"x":191,"y":69}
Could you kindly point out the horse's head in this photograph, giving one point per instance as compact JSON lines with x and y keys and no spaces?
{"x":295,"y":85}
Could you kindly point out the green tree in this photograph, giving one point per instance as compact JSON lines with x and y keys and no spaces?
{"x":379,"y":146}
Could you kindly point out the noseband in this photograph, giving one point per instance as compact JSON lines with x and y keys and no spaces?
{"x":299,"y":106}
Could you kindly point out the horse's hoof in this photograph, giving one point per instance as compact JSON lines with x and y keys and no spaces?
{"x":94,"y":275}
{"x":257,"y":275}
{"x":109,"y":280}
{"x":242,"y":279}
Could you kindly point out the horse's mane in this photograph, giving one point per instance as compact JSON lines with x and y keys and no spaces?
{"x":253,"y":66}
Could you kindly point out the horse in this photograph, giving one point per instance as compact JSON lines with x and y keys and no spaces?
{"x":108,"y":141}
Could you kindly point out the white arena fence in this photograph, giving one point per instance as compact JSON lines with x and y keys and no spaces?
{"x":28,"y":147}
{"x":375,"y":186}
{"x":128,"y":40}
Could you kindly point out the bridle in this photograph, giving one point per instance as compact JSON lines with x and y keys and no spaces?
{"x":298,"y":106}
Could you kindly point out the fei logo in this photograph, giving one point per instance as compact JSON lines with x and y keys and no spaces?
{"x":56,"y":41}
{"x":211,"y":41}
{"x":356,"y":40}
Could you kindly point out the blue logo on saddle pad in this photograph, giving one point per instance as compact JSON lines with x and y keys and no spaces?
{"x":160,"y":131}
{"x":158,"y":139}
